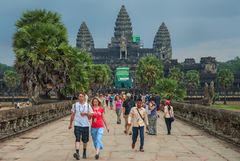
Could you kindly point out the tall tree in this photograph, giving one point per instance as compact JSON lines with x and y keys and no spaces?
{"x":192,"y":80}
{"x":225,"y":79}
{"x":100,"y":77}
{"x":176,"y":74}
{"x":11,"y":79}
{"x":149,"y":70}
{"x":40,"y":43}
{"x":79,"y":69}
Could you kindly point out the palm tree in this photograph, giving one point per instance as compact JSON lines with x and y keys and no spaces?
{"x":169,"y":88}
{"x":11,"y":80}
{"x":149,"y":70}
{"x":225,"y":79}
{"x":100,"y":77}
{"x":192,"y":80}
{"x":79,"y":69}
{"x":40,"y":44}
{"x":176,"y":74}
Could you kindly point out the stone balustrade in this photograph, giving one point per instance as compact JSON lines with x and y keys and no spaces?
{"x":19,"y":120}
{"x":219,"y":122}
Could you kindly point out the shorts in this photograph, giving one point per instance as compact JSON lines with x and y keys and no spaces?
{"x":81,"y":133}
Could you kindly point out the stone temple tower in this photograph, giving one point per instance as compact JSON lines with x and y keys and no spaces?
{"x":122,"y":39}
{"x":162,"y":43}
{"x":84,"y":38}
{"x":122,"y":29}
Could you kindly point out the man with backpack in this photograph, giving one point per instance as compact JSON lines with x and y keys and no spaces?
{"x":81,"y":113}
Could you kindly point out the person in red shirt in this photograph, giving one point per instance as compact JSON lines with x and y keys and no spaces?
{"x":97,"y":128}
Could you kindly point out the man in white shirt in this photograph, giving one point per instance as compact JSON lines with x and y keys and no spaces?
{"x":80,"y":114}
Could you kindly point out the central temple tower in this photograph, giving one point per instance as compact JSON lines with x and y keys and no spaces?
{"x":124,"y":50}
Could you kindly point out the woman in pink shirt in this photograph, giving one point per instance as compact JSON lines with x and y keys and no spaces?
{"x":97,"y":128}
{"x":118,"y":106}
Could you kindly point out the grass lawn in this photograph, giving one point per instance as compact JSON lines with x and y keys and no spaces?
{"x":227,"y":107}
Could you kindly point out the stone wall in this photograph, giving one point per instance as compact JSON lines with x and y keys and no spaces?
{"x":219,"y":122}
{"x":19,"y":120}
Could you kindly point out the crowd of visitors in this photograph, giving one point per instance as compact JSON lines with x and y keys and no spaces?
{"x":140,"y":113}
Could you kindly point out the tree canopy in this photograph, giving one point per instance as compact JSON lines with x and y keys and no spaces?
{"x":40,"y":45}
{"x":149,"y":70}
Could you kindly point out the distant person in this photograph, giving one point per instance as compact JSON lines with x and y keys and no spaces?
{"x":111,"y":100}
{"x":118,"y":106}
{"x":18,"y":105}
{"x":135,"y":97}
{"x":80,"y":114}
{"x":157,"y":100}
{"x":127,"y":106}
{"x":138,"y":118}
{"x":98,"y":122}
{"x":168,"y":115}
{"x":107,"y":99}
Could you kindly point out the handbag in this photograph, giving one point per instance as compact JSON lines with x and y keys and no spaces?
{"x":171,"y":119}
{"x":143,"y":119}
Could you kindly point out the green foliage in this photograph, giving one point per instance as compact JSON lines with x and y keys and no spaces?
{"x":40,"y":44}
{"x":233,"y":65}
{"x":100,"y":76}
{"x":227,"y":107}
{"x":149,"y":70}
{"x":192,"y":79}
{"x":225,"y":78}
{"x":176,"y":74}
{"x":79,"y":68}
{"x":170,"y":89}
{"x":4,"y":68}
{"x":11,"y":79}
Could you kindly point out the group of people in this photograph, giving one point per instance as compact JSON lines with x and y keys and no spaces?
{"x":137,"y":113}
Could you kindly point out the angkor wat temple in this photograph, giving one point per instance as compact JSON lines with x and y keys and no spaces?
{"x":123,"y":51}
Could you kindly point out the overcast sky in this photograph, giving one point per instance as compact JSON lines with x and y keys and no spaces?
{"x":197,"y":27}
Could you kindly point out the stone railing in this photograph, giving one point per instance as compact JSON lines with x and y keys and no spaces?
{"x":19,"y":120}
{"x":221,"y":123}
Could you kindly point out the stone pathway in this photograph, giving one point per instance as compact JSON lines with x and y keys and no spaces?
{"x":54,"y":142}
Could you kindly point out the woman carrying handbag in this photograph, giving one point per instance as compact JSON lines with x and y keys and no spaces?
{"x":168,"y":115}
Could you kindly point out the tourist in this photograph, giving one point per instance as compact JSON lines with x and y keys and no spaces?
{"x":151,"y":109}
{"x":107,"y":99}
{"x":138,"y":119}
{"x":157,"y":100}
{"x":168,"y":115}
{"x":80,"y":114}
{"x":118,"y":108}
{"x":98,"y":122}
{"x":111,"y":99}
{"x":127,"y":105}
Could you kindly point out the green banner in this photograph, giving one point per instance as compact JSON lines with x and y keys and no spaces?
{"x":136,"y":39}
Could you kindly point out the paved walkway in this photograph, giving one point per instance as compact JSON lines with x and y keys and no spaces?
{"x":54,"y":142}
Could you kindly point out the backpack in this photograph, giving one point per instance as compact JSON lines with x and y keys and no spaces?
{"x":76,"y":110}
